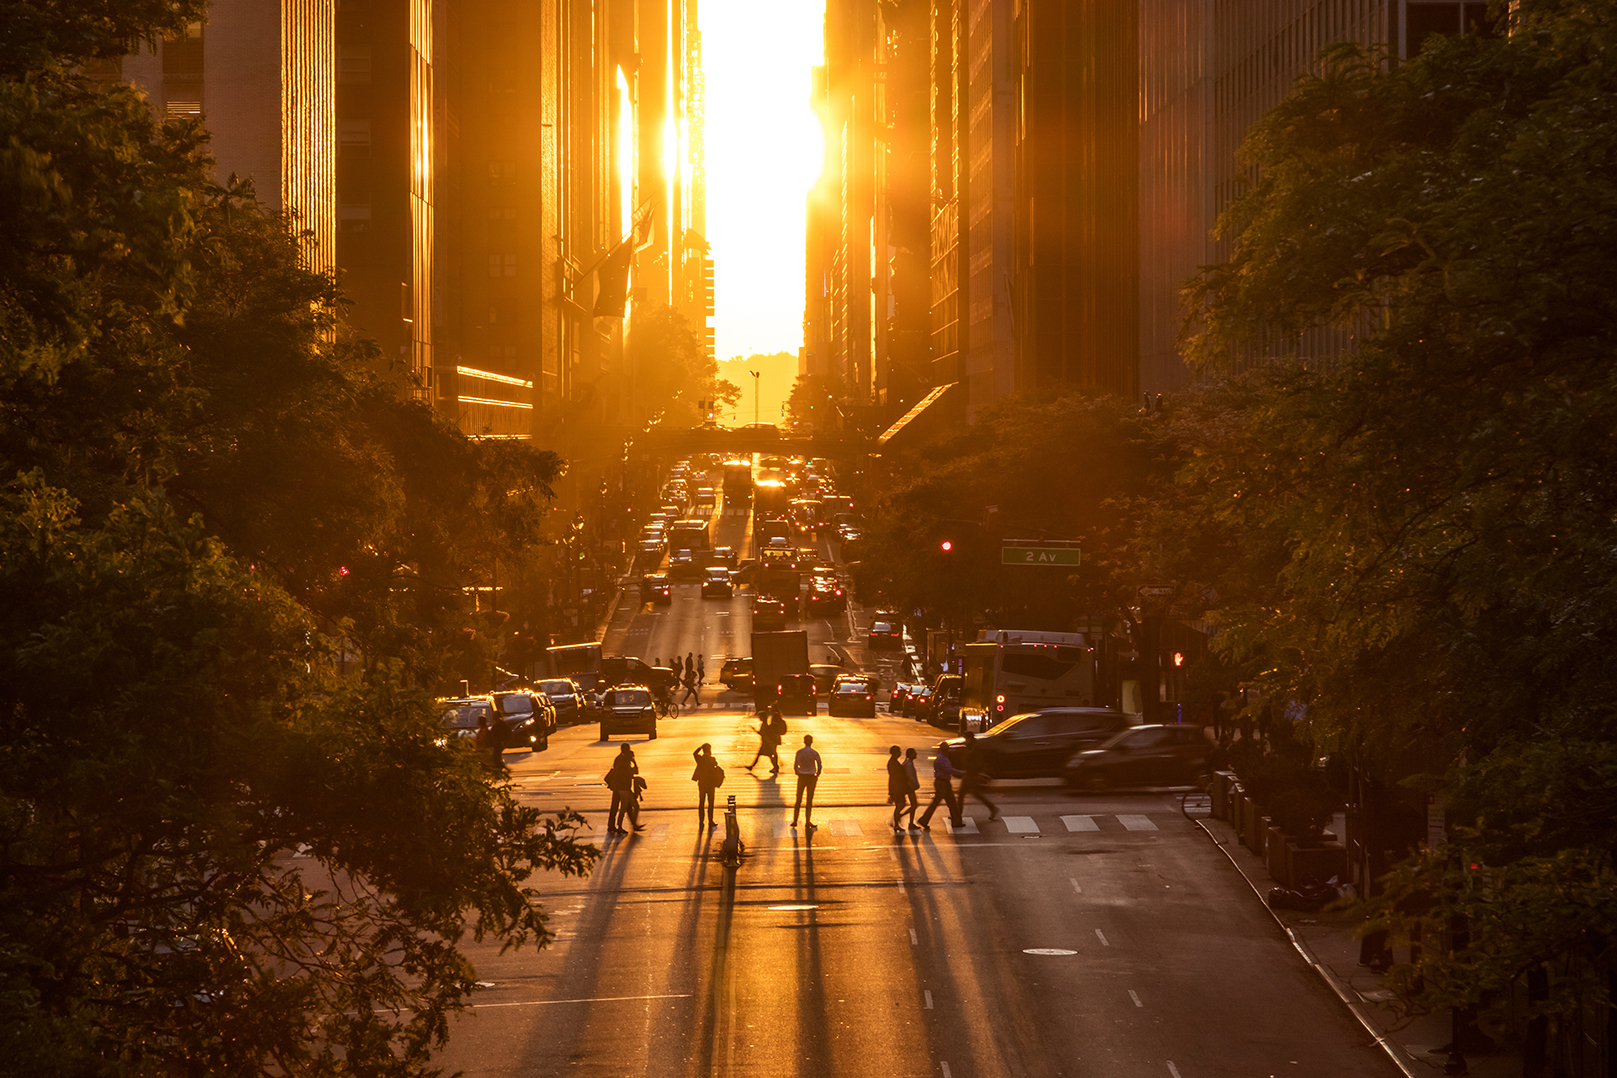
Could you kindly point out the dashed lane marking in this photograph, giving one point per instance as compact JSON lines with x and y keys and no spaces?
{"x":1104,"y":942}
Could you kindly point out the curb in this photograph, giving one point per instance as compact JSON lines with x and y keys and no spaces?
{"x":1400,"y":1058}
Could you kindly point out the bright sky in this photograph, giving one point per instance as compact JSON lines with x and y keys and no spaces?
{"x":764,"y":152}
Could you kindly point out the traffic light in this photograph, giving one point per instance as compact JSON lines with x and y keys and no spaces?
{"x":946,"y":546}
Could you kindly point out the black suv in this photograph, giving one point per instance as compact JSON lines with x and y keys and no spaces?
{"x":1039,"y":744}
{"x":567,"y":698}
{"x":628,"y":709}
{"x":529,"y":719}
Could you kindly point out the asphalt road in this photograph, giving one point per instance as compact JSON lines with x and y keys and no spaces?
{"x":1075,"y":936}
{"x":1100,"y":936}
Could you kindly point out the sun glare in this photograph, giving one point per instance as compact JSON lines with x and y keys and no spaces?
{"x":764,"y":152}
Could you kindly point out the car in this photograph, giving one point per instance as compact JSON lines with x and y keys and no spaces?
{"x":736,"y":673}
{"x":628,"y":709}
{"x":824,"y":674}
{"x":885,"y":633}
{"x":778,"y":558}
{"x":1155,"y":755}
{"x":458,"y":715}
{"x":824,"y":600}
{"x":722,"y":555}
{"x":683,"y":563}
{"x":943,"y":702}
{"x":796,"y":695}
{"x":778,"y":542}
{"x":916,"y":705}
{"x":529,"y":717}
{"x":654,"y":588}
{"x":807,"y":557}
{"x":707,"y":499}
{"x":567,"y":697}
{"x":1039,"y":744}
{"x":852,"y":696}
{"x":768,"y":615}
{"x":716,"y":583}
{"x":898,"y":698}
{"x":651,"y":542}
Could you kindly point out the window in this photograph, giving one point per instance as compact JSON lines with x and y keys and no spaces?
{"x":353,"y":64}
{"x":502,"y":172}
{"x":502,"y":213}
{"x":352,"y":134}
{"x":502,"y":265}
{"x":1043,"y":666}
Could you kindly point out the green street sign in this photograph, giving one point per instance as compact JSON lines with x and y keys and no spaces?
{"x":1040,"y":555}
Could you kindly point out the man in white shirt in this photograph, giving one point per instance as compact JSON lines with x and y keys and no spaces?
{"x":807,"y":765}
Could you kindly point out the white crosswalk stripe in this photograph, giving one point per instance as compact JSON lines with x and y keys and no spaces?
{"x":969,"y":829}
{"x":1080,"y":823}
{"x":1021,"y":825}
{"x":845,"y":828}
{"x":1137,"y":823}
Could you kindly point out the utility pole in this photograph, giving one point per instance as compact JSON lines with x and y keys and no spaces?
{"x":755,"y":392}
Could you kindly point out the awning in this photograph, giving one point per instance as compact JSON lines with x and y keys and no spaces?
{"x":933,"y":414}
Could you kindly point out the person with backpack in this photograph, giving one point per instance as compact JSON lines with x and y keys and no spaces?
{"x":770,"y":733}
{"x":708,"y":776}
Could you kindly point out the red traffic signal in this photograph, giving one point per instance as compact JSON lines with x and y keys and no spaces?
{"x":946,"y":546}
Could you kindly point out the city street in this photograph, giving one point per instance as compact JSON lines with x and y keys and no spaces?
{"x":1074,"y":936}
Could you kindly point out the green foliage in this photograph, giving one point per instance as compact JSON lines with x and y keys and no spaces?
{"x":1414,"y":535}
{"x":1066,"y":468}
{"x":215,"y":856}
{"x":672,"y":371}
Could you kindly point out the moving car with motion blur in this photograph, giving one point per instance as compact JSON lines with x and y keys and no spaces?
{"x":886,"y":634}
{"x":1040,"y":744}
{"x":1169,"y":755}
{"x":768,"y":615}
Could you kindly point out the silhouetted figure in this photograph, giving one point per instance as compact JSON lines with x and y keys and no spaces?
{"x":708,"y":776}
{"x":771,"y":730}
{"x":943,"y":775}
{"x":620,"y":780}
{"x":808,"y":766}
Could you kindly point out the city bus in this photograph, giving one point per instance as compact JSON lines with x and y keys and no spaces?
{"x":737,"y":480}
{"x":1009,"y":671}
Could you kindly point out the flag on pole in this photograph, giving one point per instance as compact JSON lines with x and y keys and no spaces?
{"x":613,"y":275}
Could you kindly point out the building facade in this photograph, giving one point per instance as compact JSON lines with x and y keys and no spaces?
{"x":261,"y":75}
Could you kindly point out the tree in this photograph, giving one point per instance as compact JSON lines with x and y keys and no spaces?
{"x":672,"y":372}
{"x":1071,"y":467}
{"x":217,"y":857}
{"x":1417,"y":534}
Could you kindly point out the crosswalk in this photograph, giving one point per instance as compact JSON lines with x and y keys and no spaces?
{"x":852,"y":827}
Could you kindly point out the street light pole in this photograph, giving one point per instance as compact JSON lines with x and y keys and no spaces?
{"x":755,"y":383}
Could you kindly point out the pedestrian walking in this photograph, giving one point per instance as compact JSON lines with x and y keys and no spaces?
{"x":620,"y":780}
{"x":898,"y":787}
{"x":913,"y":780}
{"x":497,"y":732}
{"x":690,"y":665}
{"x":943,"y":774}
{"x":691,"y":692}
{"x":975,"y":783}
{"x":771,"y":730}
{"x":701,"y":671}
{"x":708,"y":776}
{"x":808,"y":766}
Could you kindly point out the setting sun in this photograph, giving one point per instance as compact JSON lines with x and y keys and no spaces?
{"x":764,"y":152}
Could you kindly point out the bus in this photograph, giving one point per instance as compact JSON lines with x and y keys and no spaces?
{"x":737,"y":480}
{"x":1009,"y":671}
{"x":688,"y":535}
{"x":770,"y":500}
{"x":581,"y":662}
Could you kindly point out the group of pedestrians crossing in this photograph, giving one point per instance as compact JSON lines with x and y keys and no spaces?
{"x":691,"y":674}
{"x":903,"y":782}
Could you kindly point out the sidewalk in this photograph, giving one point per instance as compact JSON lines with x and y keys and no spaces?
{"x":1327,"y":941}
